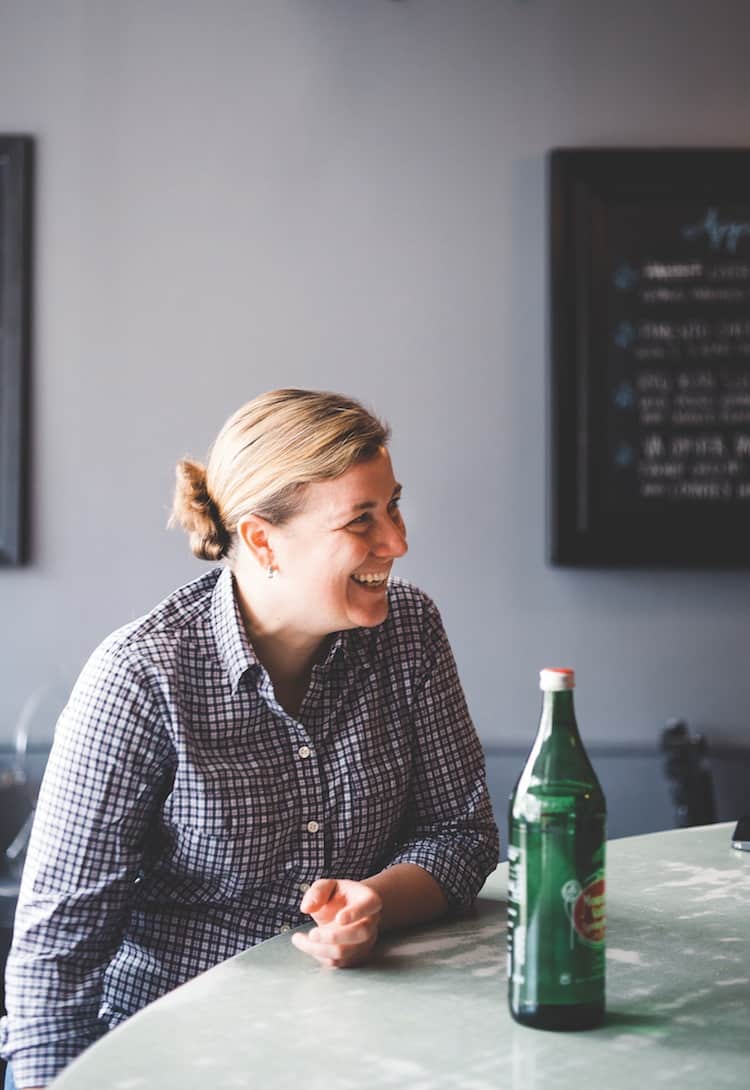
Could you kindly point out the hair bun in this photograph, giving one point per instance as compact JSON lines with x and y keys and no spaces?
{"x":195,"y":511}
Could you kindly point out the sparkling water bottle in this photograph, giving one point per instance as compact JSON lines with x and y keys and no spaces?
{"x":556,"y":906}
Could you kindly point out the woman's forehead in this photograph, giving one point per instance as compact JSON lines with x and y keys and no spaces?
{"x":366,"y":483}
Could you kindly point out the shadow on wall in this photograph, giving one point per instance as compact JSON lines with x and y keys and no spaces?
{"x":635,"y":783}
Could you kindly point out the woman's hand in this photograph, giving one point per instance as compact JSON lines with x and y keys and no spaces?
{"x":348,"y":917}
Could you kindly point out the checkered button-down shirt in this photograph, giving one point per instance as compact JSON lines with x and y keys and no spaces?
{"x":184,"y":812}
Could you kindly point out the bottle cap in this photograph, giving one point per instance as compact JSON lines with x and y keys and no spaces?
{"x":554,"y":679}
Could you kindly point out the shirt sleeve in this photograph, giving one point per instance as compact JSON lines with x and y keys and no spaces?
{"x":104,"y":777}
{"x":450,"y":830}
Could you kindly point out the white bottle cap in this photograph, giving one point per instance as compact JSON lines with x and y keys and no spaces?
{"x":554,"y":679}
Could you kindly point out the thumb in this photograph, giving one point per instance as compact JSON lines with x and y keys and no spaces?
{"x":318,"y":895}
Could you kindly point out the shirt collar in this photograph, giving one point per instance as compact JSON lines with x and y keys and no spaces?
{"x":236,"y":651}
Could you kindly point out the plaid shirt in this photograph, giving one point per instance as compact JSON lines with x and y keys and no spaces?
{"x":184,"y":813}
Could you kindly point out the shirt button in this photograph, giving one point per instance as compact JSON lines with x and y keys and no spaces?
{"x":312,"y":826}
{"x":284,"y":928}
{"x":304,"y":886}
{"x":304,"y":751}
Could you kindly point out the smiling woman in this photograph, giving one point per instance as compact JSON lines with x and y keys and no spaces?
{"x":285,"y":737}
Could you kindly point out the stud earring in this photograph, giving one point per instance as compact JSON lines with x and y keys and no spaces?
{"x":270,"y":572}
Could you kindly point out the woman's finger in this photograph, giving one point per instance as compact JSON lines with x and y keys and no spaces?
{"x":349,"y":934}
{"x":318,"y":895}
{"x":361,"y":902}
{"x":332,"y":954}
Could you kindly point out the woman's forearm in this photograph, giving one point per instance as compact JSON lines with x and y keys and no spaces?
{"x":409,"y":894}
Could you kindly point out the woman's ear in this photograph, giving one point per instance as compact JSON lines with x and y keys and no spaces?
{"x":253,"y":534}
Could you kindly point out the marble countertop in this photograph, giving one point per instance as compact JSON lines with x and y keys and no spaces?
{"x":430,"y":1012}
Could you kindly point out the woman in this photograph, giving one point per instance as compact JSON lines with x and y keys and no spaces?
{"x":284,"y":737}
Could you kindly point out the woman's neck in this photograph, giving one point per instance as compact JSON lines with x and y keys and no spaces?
{"x":287,"y":654}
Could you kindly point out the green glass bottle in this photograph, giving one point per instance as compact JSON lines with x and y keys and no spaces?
{"x":556,"y":906}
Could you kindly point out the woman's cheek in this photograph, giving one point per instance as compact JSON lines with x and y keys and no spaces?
{"x":355,"y":555}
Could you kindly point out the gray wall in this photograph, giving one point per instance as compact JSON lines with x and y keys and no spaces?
{"x":349,"y":194}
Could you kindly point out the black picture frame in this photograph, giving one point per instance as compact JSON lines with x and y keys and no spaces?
{"x":640,"y":263}
{"x":15,"y":315}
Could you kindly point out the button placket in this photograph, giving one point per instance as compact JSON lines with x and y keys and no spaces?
{"x":311,"y":789}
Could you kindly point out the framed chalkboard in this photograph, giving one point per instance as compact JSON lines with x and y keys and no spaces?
{"x":650,"y":357}
{"x":15,"y":246}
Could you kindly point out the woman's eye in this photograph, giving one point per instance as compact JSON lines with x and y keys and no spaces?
{"x":360,"y":520}
{"x":364,"y":519}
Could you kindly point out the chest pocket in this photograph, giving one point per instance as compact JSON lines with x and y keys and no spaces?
{"x":229,"y":828}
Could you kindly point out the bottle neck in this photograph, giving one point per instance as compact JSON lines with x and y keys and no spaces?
{"x":558,"y":758}
{"x":558,"y":714}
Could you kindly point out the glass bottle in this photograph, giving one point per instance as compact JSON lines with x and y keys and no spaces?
{"x":556,"y":905}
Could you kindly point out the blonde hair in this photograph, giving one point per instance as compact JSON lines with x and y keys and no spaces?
{"x":263,"y":458}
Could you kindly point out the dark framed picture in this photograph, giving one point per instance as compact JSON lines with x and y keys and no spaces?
{"x":15,"y":312}
{"x":649,"y":451}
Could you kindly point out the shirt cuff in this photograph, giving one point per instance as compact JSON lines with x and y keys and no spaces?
{"x":459,"y":876}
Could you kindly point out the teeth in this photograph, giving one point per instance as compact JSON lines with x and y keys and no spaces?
{"x":370,"y":579}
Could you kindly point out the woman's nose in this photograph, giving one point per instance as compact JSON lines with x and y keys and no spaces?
{"x":391,"y":541}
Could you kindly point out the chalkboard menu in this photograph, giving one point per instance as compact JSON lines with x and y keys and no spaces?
{"x":650,"y":357}
{"x":15,"y":249}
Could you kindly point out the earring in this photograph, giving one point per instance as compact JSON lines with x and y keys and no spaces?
{"x":270,"y":571}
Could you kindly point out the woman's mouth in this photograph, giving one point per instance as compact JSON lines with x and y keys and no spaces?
{"x":371,"y":580}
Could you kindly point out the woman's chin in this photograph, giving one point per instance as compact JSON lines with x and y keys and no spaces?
{"x":369,"y":614}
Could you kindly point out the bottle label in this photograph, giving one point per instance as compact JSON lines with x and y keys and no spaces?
{"x":586,"y":909}
{"x":556,"y":909}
